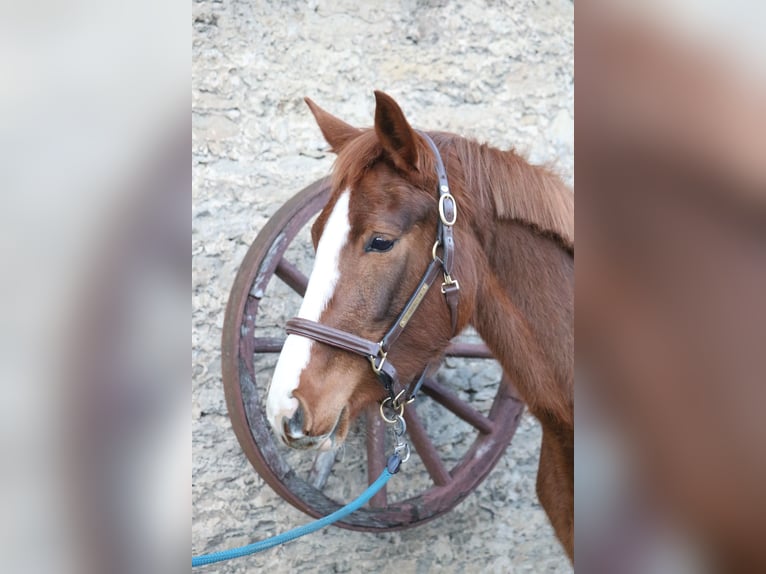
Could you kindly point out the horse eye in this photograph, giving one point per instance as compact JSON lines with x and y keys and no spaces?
{"x":379,"y":244}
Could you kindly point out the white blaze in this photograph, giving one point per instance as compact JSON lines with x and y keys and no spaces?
{"x":297,"y":350}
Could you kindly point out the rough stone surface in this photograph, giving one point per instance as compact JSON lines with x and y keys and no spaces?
{"x":498,"y":71}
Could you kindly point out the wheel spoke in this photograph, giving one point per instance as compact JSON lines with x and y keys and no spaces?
{"x":268,"y":345}
{"x":376,"y":453}
{"x":452,"y":402}
{"x":426,"y":449}
{"x":320,"y":470}
{"x":293,"y":276}
{"x":468,"y":350}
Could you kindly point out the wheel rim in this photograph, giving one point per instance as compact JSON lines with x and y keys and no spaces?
{"x":451,"y":478}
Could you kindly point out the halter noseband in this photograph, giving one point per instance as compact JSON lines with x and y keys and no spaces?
{"x":377,"y":352}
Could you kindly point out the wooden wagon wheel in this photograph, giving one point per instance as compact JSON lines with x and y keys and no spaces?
{"x":445,"y":474}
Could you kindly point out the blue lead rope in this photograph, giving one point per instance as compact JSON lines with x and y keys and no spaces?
{"x":392,"y":468}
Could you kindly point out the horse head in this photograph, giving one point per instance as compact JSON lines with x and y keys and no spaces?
{"x":374,"y":240}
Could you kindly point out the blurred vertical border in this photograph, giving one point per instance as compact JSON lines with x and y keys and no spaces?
{"x":94,"y":228}
{"x":670,"y":136}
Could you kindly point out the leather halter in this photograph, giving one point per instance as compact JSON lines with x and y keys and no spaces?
{"x":377,"y":352}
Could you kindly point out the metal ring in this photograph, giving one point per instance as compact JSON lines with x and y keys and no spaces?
{"x":383,"y":414}
{"x":396,"y":404}
{"x":433,"y":250}
{"x":441,"y":209}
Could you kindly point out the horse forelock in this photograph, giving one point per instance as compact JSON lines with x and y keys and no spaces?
{"x":355,"y":159}
{"x":364,"y":152}
{"x":378,"y":189}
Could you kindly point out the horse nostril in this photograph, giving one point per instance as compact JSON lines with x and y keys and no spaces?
{"x":294,"y":425}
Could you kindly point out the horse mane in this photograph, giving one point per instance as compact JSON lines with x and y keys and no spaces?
{"x":502,"y":180}
{"x":514,"y":188}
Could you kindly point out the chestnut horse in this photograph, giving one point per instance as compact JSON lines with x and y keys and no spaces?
{"x":513,"y":255}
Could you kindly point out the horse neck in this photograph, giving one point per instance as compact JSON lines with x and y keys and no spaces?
{"x":525,"y":311}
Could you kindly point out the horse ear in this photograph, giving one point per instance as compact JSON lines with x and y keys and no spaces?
{"x":395,"y":134}
{"x":335,"y":131}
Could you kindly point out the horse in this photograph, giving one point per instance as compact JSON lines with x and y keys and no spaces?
{"x":408,"y":208}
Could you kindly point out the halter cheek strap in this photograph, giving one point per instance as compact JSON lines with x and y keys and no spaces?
{"x":377,"y":352}
{"x":445,"y":236}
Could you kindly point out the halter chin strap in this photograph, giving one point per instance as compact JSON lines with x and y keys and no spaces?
{"x":377,"y":352}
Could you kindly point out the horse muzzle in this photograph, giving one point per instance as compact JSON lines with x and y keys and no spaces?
{"x":294,"y":433}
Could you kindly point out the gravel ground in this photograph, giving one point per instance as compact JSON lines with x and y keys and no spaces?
{"x":501,"y":72}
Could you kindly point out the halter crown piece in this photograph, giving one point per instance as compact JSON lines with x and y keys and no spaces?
{"x":377,"y":352}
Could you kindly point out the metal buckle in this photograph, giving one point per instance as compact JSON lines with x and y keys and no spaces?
{"x":448,"y":282}
{"x":441,"y":209}
{"x":382,"y":356}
